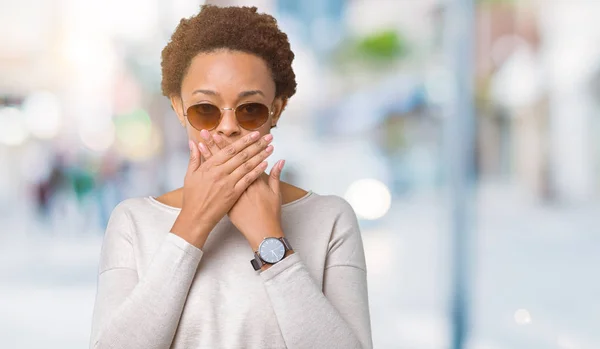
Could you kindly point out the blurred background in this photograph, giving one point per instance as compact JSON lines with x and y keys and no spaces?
{"x":504,"y":228}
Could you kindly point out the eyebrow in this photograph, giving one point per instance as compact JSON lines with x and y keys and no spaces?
{"x":250,"y":93}
{"x":240,"y":95}
{"x":206,"y":92}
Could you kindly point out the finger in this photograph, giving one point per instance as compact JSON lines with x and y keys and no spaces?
{"x":275,"y":176}
{"x":231,"y":150}
{"x":250,"y":177}
{"x":194,"y":157}
{"x":206,"y":154}
{"x":219,"y":141}
{"x":209,"y":141}
{"x":248,"y":165}
{"x":261,"y":145}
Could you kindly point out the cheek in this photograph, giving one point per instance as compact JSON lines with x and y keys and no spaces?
{"x":265,"y":129}
{"x":193,"y":134}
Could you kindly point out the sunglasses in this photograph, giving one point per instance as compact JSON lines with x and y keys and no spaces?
{"x":249,"y":116}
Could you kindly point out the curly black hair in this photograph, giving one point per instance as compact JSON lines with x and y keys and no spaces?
{"x":234,"y":28}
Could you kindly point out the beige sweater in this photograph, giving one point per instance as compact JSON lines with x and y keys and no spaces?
{"x":155,"y":290}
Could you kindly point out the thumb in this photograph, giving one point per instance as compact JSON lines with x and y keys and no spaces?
{"x":194,"y":157}
{"x":275,"y":176}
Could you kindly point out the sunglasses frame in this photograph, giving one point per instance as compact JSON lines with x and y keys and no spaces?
{"x":223,"y":110}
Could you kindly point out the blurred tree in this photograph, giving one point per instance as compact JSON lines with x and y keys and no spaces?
{"x":379,"y":50}
{"x":384,"y":45}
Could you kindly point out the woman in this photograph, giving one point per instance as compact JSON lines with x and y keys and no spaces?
{"x":174,"y":270}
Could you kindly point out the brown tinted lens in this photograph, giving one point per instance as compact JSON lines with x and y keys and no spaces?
{"x":252,"y":115}
{"x":204,"y":116}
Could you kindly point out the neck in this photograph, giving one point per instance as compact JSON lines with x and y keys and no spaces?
{"x":289,"y":193}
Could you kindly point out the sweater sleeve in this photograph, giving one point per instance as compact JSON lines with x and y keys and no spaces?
{"x":133,"y":312}
{"x":335,"y":317}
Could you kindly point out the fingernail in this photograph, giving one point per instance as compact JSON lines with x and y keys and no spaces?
{"x":281,"y":164}
{"x":204,"y":134}
{"x":255,"y":134}
{"x":217,"y":138}
{"x":268,"y":137}
{"x":202,"y":147}
{"x":269,"y":149}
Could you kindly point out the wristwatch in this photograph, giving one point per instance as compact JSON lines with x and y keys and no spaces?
{"x":270,"y":251}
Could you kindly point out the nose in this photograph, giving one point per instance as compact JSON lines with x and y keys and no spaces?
{"x":228,"y":127}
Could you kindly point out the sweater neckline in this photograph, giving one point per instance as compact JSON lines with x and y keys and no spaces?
{"x":153,"y":200}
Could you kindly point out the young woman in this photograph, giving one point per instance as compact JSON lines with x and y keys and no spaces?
{"x":236,"y":258}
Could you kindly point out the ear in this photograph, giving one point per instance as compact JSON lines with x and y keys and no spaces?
{"x":278,"y":106}
{"x":177,"y":105}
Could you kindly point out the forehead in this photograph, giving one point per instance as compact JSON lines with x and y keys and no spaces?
{"x":228,"y":73}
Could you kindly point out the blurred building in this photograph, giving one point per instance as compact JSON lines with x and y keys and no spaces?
{"x":83,"y":125}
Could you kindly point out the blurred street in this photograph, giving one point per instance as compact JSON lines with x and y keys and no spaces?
{"x":384,"y":116}
{"x":534,"y":281}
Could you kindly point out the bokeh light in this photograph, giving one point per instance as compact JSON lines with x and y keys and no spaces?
{"x":135,"y":135}
{"x":13,"y":130}
{"x":84,"y":125}
{"x":42,"y":113}
{"x":370,"y":198}
{"x":522,"y":317}
{"x":99,"y":138}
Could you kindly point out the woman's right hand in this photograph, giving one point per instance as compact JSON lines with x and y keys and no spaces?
{"x":212,"y":187}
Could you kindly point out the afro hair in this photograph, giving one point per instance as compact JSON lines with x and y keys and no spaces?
{"x":233,"y":28}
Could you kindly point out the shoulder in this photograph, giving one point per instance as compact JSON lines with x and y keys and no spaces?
{"x":334,"y":202}
{"x":132,"y":205}
{"x":333,"y":206}
{"x":137,"y":209}
{"x":130,"y":216}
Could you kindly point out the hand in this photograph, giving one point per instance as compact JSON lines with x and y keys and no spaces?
{"x":257,"y":212}
{"x":212,"y":187}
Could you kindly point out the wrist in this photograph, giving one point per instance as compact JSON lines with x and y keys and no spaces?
{"x":267,"y":266}
{"x":258,"y":238}
{"x":192,"y":230}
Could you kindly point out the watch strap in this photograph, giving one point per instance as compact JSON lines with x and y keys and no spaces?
{"x":286,"y":243}
{"x":257,"y":262}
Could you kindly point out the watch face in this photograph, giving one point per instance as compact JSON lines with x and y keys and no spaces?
{"x":271,"y":250}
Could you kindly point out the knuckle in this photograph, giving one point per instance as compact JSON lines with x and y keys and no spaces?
{"x":214,"y":173}
{"x":207,"y":166}
{"x":248,"y":166}
{"x":244,"y":155}
{"x":228,"y":194}
{"x":248,"y":179}
{"x":219,"y":173}
{"x":230,"y":150}
{"x":221,"y":186}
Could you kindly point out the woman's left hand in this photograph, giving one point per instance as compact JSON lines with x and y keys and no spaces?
{"x":257,"y":213}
